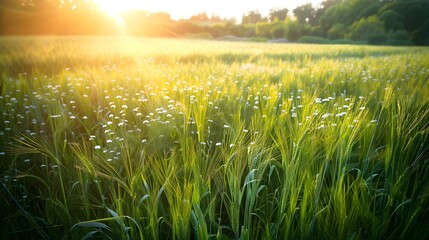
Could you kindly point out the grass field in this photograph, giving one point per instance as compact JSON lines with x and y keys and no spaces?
{"x":128,"y":138}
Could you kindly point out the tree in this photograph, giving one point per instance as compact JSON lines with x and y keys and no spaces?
{"x":338,"y":31}
{"x":357,"y":9}
{"x":293,"y":30}
{"x":421,"y":35}
{"x":329,"y":3}
{"x":50,"y":17}
{"x":415,"y":14}
{"x":337,"y":14}
{"x":392,"y":20}
{"x":215,"y":18}
{"x":252,"y":17}
{"x":199,"y":17}
{"x":320,"y":10}
{"x":369,"y":10}
{"x":304,"y":13}
{"x":263,"y":29}
{"x":366,"y":27}
{"x":278,"y":31}
{"x":280,"y":14}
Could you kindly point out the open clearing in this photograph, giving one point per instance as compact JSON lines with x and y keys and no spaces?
{"x":128,"y":138}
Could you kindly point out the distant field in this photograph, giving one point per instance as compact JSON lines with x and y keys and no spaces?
{"x":129,"y":138}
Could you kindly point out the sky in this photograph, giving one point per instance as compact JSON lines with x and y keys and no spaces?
{"x":186,"y":8}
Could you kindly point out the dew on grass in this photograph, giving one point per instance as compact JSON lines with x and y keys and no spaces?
{"x":326,"y":115}
{"x":341,"y":114}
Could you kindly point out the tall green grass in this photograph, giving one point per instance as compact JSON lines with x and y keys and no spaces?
{"x":128,"y":138}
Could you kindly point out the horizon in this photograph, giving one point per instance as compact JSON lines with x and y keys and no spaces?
{"x":235,"y":10}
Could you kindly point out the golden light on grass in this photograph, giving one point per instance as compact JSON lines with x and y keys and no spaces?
{"x":316,"y":140}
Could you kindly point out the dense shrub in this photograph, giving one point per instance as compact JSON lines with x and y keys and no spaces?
{"x":315,"y":40}
{"x":278,"y":31}
{"x":347,"y":41}
{"x":394,"y":42}
{"x":399,"y":38}
{"x":377,"y":38}
{"x":257,"y":39}
{"x":200,"y":35}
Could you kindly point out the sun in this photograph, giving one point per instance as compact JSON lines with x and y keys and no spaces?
{"x":115,"y":8}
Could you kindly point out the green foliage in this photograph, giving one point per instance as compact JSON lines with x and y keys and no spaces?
{"x":399,"y":38}
{"x":293,"y":30}
{"x":316,"y":31}
{"x":338,"y":31}
{"x":349,"y":19}
{"x":348,"y":42}
{"x":133,"y":138}
{"x":240,"y":30}
{"x":377,"y":38}
{"x":421,"y":35}
{"x":304,"y":13}
{"x":257,"y":39}
{"x":393,"y":42}
{"x":392,"y":20}
{"x":279,"y":31}
{"x":358,"y":9}
{"x":201,"y":35}
{"x":369,"y":10}
{"x":367,"y":28}
{"x":263,"y":29}
{"x":279,"y":14}
{"x":336,"y":14}
{"x":314,"y":40}
{"x":415,"y":14}
{"x":251,"y":17}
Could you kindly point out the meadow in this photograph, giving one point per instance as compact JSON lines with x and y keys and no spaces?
{"x":131,"y":138}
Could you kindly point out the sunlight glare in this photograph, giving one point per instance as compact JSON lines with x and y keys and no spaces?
{"x":114,"y":8}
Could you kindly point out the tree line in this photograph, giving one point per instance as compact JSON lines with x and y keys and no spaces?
{"x":394,"y":22}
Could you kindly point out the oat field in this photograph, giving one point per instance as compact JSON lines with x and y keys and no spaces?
{"x":131,"y":138}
